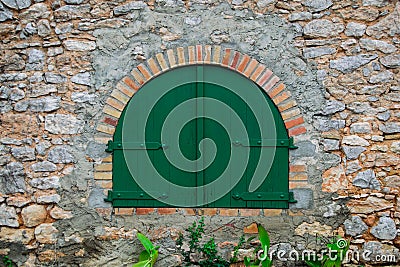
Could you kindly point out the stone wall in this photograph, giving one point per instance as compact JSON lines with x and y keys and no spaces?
{"x":62,"y":60}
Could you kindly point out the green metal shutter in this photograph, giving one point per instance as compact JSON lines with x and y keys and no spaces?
{"x":139,"y":139}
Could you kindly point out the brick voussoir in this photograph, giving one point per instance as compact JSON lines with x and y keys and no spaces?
{"x":243,"y":63}
{"x":256,"y":74}
{"x":297,"y":131}
{"x":216,"y":57}
{"x":281,"y":97}
{"x":139,"y":78}
{"x":127,"y":86}
{"x":250,"y":67}
{"x":270,"y":83}
{"x":264,"y":77}
{"x":276,"y":90}
{"x":115,"y":103}
{"x":153,"y":66}
{"x":235,"y":60}
{"x":111,"y":111}
{"x":208,"y":54}
{"x":294,"y":122}
{"x":181,"y":56}
{"x":144,"y":71}
{"x":226,"y":57}
{"x":199,"y":54}
{"x":171,"y":58}
{"x":107,"y":129}
{"x":161,"y":61}
{"x":191,"y":54}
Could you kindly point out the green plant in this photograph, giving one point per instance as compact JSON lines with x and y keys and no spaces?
{"x":208,"y":251}
{"x":149,"y":255}
{"x":212,"y":258}
{"x":7,"y":262}
{"x":263,"y":258}
{"x":236,"y":249}
{"x":332,"y":256}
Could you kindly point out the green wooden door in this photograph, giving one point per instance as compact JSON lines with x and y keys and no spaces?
{"x":200,"y":136}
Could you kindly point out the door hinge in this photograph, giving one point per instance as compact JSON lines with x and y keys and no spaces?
{"x":111,"y":146}
{"x":265,"y":196}
{"x":289,"y":143}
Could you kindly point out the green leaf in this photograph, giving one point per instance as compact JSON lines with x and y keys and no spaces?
{"x":247,"y":261}
{"x":144,"y":256}
{"x":313,"y":263}
{"x":266,"y":263}
{"x":145,"y":242}
{"x":264,"y":238}
{"x":154,"y":256}
{"x":142,"y":264}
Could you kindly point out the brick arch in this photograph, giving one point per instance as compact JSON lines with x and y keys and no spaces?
{"x":198,"y":54}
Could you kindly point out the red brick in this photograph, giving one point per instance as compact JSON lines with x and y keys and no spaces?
{"x":257,"y":72}
{"x":171,"y":58}
{"x":207,"y":56}
{"x":199,"y":53}
{"x":166,"y":211}
{"x":294,"y":122}
{"x":217,"y":54}
{"x":144,"y":71}
{"x":287,"y":105}
{"x":228,"y":212}
{"x":251,"y":229}
{"x":191,"y":54}
{"x":275,"y":91}
{"x":297,"y":184}
{"x":138,"y":77}
{"x":105,"y":129}
{"x":181,"y":55}
{"x":144,"y":211}
{"x":129,"y":82}
{"x":298,"y":177}
{"x":105,"y":184}
{"x":281,"y":97}
{"x":189,"y":212}
{"x":243,"y":63}
{"x":297,"y":168}
{"x":268,"y":85}
{"x":267,"y":74}
{"x":272,"y":212}
{"x":124,"y":211}
{"x":227,"y":56}
{"x":235,"y":60}
{"x":208,"y":211}
{"x":153,"y":66}
{"x":111,"y":121}
{"x":290,"y":113}
{"x":252,"y":65}
{"x":161,"y":61}
{"x":297,"y":131}
{"x":249,"y":212}
{"x":115,"y":103}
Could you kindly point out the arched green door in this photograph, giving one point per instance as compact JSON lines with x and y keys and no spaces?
{"x":200,"y":136}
